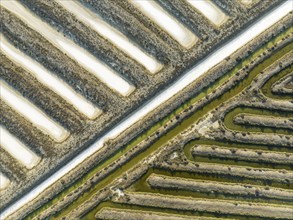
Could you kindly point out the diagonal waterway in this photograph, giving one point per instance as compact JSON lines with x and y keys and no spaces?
{"x":213,"y":59}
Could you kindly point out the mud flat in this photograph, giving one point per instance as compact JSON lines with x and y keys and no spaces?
{"x":266,"y":121}
{"x":216,"y":206}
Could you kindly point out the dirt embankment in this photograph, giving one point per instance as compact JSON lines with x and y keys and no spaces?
{"x":214,"y":206}
{"x":259,"y":156}
{"x":264,"y":121}
{"x":244,"y":190}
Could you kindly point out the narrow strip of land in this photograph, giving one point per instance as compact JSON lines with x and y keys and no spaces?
{"x":264,"y":121}
{"x":206,"y":205}
{"x":244,"y":190}
{"x":122,"y":214}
